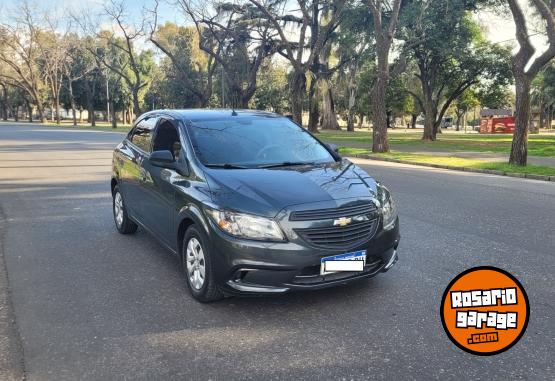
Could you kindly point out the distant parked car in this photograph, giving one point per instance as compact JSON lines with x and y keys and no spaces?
{"x":251,"y":202}
{"x":446,"y":122}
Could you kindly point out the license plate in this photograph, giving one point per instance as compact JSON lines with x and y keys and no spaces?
{"x":343,"y":262}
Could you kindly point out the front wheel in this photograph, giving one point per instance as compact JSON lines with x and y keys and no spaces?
{"x":197,"y":266}
{"x":122,"y":220}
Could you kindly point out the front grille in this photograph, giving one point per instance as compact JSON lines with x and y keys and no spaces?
{"x":339,"y":237}
{"x":333,"y":213}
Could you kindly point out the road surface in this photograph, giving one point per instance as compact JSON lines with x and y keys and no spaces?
{"x":92,"y":304}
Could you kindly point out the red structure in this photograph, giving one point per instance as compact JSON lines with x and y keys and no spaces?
{"x":497,"y":122}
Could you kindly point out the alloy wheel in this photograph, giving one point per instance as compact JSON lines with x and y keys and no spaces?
{"x":196,"y":265}
{"x":118,"y":209}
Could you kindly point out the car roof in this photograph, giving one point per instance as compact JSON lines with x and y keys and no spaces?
{"x":207,"y":114}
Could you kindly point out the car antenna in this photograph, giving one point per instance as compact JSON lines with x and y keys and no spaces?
{"x":233,"y":112}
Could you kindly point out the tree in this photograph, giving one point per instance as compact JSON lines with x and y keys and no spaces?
{"x":385,"y":16}
{"x":79,"y":64}
{"x":494,"y":96}
{"x":354,"y":48}
{"x":53,"y":56}
{"x":271,"y":91}
{"x":312,"y":35}
{"x":19,"y":54}
{"x":451,"y":56}
{"x":136,"y":65}
{"x":543,"y":94}
{"x":465,"y":102}
{"x":525,"y":67}
{"x":191,"y":66}
{"x":234,"y":37}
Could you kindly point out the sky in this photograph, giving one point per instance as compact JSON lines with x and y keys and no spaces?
{"x":499,"y":27}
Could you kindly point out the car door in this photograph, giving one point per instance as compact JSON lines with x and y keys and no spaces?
{"x":159,"y":193}
{"x":138,"y":148}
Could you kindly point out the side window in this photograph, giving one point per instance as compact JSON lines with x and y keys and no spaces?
{"x":142,"y":134}
{"x":167,"y":138}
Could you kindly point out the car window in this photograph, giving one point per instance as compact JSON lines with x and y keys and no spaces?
{"x":254,"y":141}
{"x":166,"y":138}
{"x":141,"y":135}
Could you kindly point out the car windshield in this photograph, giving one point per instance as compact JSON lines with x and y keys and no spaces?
{"x":239,"y":141}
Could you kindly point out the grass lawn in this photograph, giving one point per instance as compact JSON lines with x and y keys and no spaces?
{"x":457,"y":162}
{"x":100,"y":126}
{"x":539,"y":145}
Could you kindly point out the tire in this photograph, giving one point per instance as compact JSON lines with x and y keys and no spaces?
{"x":121,"y":219}
{"x":194,"y":262}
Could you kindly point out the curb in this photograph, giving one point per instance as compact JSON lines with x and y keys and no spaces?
{"x":463,"y":169}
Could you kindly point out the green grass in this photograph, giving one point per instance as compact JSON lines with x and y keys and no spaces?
{"x":457,"y":162}
{"x":539,"y":145}
{"x":100,"y":126}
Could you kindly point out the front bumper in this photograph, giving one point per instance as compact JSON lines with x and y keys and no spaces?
{"x":251,"y":267}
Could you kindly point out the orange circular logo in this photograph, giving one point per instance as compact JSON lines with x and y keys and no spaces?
{"x":485,"y":310}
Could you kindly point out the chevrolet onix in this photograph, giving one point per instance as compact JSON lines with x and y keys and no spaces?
{"x":251,"y":203}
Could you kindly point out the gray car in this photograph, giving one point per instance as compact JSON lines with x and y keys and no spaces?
{"x":251,"y":202}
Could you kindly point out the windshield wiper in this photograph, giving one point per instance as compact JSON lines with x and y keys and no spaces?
{"x":287,"y":164}
{"x":226,"y":166}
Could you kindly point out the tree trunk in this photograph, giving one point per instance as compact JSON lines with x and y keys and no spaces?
{"x":429,"y":114}
{"x":360,"y":120}
{"x":90,"y":112}
{"x":459,"y":117}
{"x":437,"y":128}
{"x":57,"y":102}
{"x":380,"y":142}
{"x":297,"y":88}
{"x":29,"y":111}
{"x":136,"y":106}
{"x":113,"y":115}
{"x":352,"y":101}
{"x":313,"y":111}
{"x":388,"y":118}
{"x":90,"y":90}
{"x":40,"y":110}
{"x":4,"y":103}
{"x":519,"y":148}
{"x":329,"y":116}
{"x":429,"y":121}
{"x":542,"y":115}
{"x":16,"y":113}
{"x":414,"y":117}
{"x":350,"y":121}
{"x":72,"y":100}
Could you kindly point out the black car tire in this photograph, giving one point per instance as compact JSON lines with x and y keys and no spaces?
{"x":209,"y":292}
{"x":125,"y":226}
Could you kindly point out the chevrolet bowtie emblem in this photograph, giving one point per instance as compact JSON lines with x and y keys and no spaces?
{"x":343,"y":221}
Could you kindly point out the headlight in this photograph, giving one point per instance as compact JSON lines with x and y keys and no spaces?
{"x":388,"y":209}
{"x":246,"y":225}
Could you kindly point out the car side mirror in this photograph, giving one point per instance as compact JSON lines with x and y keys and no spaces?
{"x":333,"y":147}
{"x":162,"y":159}
{"x":165,"y":159}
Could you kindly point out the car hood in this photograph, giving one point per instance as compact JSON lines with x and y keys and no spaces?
{"x":265,"y":192}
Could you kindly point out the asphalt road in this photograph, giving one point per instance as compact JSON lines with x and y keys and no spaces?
{"x":92,"y":304}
